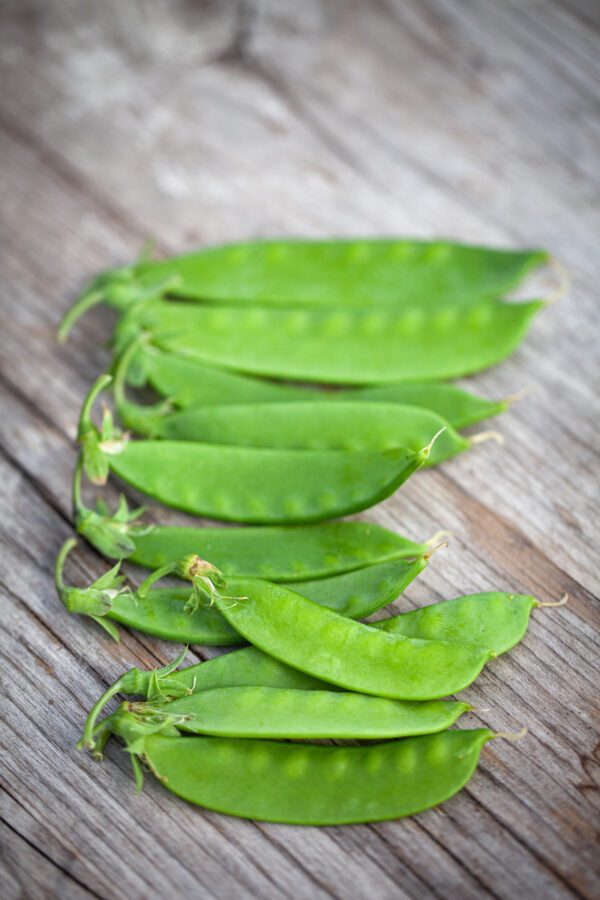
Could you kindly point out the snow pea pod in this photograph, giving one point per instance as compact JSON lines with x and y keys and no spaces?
{"x":338,"y":346}
{"x":362,"y":272}
{"x":191,"y":383}
{"x":278,"y":553}
{"x":246,"y":484}
{"x":340,"y":424}
{"x":313,"y":273}
{"x":266,"y":712}
{"x":246,"y":667}
{"x":263,"y":486}
{"x":338,"y":650}
{"x":494,"y":620}
{"x":166,"y":613}
{"x":336,"y":425}
{"x":303,"y":784}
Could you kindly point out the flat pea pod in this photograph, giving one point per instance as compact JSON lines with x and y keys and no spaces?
{"x":343,"y":346}
{"x":494,"y":620}
{"x":306,"y":784}
{"x":336,"y":425}
{"x":313,"y":273}
{"x":362,"y":272}
{"x":265,"y":712}
{"x":245,"y":484}
{"x":263,"y":486}
{"x":340,"y":651}
{"x":278,"y":553}
{"x":167,"y":614}
{"x":246,"y":667}
{"x":354,"y":594}
{"x":190,"y":383}
{"x":457,"y":406}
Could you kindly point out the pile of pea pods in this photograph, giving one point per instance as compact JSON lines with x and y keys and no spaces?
{"x":295,"y":382}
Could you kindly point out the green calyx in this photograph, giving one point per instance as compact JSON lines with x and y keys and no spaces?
{"x":206,"y":580}
{"x":98,"y":444}
{"x":142,"y":419}
{"x":119,"y":288}
{"x":112,"y":534}
{"x":94,"y":601}
{"x":133,"y":725}
{"x":150,"y":685}
{"x":115,"y":288}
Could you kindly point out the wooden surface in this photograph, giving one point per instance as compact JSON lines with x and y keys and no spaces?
{"x":191,"y":123}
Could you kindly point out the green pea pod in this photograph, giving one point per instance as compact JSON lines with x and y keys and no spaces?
{"x":190,"y":383}
{"x":313,"y":425}
{"x":312,"y":785}
{"x":265,"y":712}
{"x":497,"y":621}
{"x":337,"y":425}
{"x":361,"y":272}
{"x":302,"y":784}
{"x":168,"y":614}
{"x":337,"y":346}
{"x":256,"y":485}
{"x":278,"y":553}
{"x":313,"y":273}
{"x":249,"y":666}
{"x":263,"y":486}
{"x":340,"y":651}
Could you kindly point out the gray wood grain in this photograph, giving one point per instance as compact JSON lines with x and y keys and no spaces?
{"x":192,"y":123}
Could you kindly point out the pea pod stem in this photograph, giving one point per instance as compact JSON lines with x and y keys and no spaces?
{"x":434,"y":548}
{"x":122,"y":365}
{"x":78,"y":504}
{"x":426,"y":450}
{"x":564,"y":280}
{"x":548,"y":604}
{"x":87,"y":301}
{"x":162,"y":572}
{"x":439,"y":536}
{"x":60,"y":563}
{"x":512,"y":735}
{"x":484,"y":436}
{"x":85,"y":422}
{"x":119,"y":288}
{"x":126,"y":683}
{"x":141,"y":419}
{"x":519,"y":395}
{"x":87,"y":741}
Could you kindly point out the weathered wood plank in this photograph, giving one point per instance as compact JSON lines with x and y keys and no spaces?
{"x":212,"y":122}
{"x":26,"y":871}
